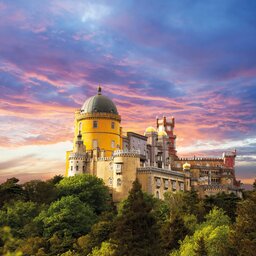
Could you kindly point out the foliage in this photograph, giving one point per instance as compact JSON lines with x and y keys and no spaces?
{"x":213,"y":231}
{"x":200,"y":248}
{"x":19,"y":216}
{"x":40,"y":191}
{"x":100,"y":232}
{"x":10,"y":190}
{"x":56,"y":179}
{"x":74,"y":217}
{"x":33,"y":246}
{"x":244,"y":233}
{"x":171,"y":233}
{"x":106,"y":249}
{"x":90,"y":190}
{"x":136,"y":232}
{"x":60,"y":243}
{"x":67,"y":216}
{"x":184,"y":203}
{"x":228,"y":202}
{"x":8,"y":242}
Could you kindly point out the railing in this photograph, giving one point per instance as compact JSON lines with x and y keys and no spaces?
{"x":126,"y":152}
{"x":160,"y":170}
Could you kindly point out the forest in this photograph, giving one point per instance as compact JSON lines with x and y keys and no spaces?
{"x":74,"y":216}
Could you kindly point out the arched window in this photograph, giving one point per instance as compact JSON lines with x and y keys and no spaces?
{"x":157,"y":194}
{"x":118,"y":182}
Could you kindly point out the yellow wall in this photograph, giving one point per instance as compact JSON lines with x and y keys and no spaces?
{"x":104,"y":133}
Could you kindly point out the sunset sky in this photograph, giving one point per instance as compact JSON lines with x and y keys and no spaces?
{"x":194,"y":60}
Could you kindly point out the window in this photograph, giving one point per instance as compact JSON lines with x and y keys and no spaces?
{"x":158,"y":182}
{"x":181,"y":186}
{"x":118,"y":168}
{"x":80,"y":127}
{"x":110,"y":181}
{"x":112,"y":144}
{"x":173,"y":184}
{"x":118,"y":182}
{"x":94,"y":144}
{"x":83,"y":168}
{"x":71,"y":168}
{"x":157,"y":194}
{"x":77,"y":168}
{"x":166,"y":184}
{"x":113,"y":125}
{"x":95,"y":124}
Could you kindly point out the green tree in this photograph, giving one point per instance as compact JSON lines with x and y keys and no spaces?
{"x":67,"y":216}
{"x":19,"y":216}
{"x":244,"y":233}
{"x":136,"y":232}
{"x":100,"y":232}
{"x":33,"y":246}
{"x":60,"y":243}
{"x":56,"y":179}
{"x":200,"y":248}
{"x":106,"y":249}
{"x":40,"y":191}
{"x":8,"y":243}
{"x":184,"y":203}
{"x":171,"y":233}
{"x":90,"y":190}
{"x":10,"y":190}
{"x":215,"y":231}
{"x":228,"y":202}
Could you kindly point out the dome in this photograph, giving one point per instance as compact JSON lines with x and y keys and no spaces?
{"x":150,"y":129}
{"x":186,"y":166}
{"x":162,"y":133}
{"x":99,"y":103}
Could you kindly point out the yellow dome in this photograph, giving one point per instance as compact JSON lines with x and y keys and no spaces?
{"x":150,"y":129}
{"x":186,"y":166}
{"x":162,"y":133}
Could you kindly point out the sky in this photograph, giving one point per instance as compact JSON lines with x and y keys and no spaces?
{"x":194,"y":60}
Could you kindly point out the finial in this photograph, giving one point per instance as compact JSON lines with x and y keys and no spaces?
{"x":99,"y":90}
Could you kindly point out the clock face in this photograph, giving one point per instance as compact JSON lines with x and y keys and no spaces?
{"x":168,"y":128}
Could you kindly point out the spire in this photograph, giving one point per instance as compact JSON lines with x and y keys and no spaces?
{"x":99,"y":90}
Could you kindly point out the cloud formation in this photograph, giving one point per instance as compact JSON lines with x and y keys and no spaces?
{"x":195,"y":61}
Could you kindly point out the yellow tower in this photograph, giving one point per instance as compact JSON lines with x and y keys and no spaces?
{"x":99,"y":124}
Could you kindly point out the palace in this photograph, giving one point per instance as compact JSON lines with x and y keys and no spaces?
{"x":100,"y":148}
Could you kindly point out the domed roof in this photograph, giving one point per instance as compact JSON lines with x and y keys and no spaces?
{"x":150,"y":129}
{"x":162,"y":133}
{"x":99,"y":103}
{"x":186,"y":166}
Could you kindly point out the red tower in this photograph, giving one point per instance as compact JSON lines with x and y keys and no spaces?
{"x":168,"y":127}
{"x":229,"y":159}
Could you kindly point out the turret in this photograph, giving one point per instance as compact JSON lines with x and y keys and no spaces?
{"x":229,"y":159}
{"x":168,"y":126}
{"x":79,"y":144}
{"x":186,"y":170}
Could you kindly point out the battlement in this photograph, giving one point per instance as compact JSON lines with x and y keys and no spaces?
{"x":127,"y":153}
{"x":199,"y":159}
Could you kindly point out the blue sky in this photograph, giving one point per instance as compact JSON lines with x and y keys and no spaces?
{"x":194,"y":60}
